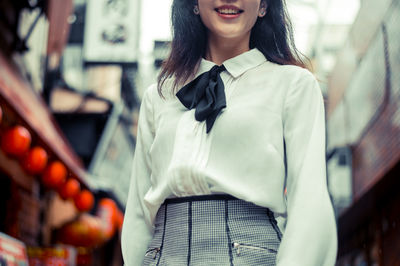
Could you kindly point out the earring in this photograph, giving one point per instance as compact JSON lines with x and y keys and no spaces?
{"x":262,"y":12}
{"x":196,"y":10}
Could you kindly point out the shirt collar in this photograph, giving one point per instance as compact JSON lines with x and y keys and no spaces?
{"x":237,"y":65}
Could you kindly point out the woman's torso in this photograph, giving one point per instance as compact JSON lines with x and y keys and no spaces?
{"x":243,"y":155}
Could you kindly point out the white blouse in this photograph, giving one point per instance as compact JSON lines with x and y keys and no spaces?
{"x":270,"y":136}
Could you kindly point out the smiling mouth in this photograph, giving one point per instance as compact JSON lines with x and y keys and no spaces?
{"x":229,"y":11}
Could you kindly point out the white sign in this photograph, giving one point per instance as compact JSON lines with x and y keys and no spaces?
{"x":111,"y":31}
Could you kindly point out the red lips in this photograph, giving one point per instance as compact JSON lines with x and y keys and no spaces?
{"x":228,"y":11}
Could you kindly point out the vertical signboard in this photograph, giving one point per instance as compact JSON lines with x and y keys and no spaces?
{"x":111,"y":31}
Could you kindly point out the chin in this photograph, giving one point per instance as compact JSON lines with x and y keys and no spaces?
{"x":229,"y":34}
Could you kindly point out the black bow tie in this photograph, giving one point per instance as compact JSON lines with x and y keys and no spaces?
{"x":205,"y":93}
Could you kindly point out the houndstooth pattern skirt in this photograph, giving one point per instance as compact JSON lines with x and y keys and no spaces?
{"x":213,"y":230}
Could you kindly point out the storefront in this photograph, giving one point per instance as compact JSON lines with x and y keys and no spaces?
{"x":363,"y":114}
{"x":49,"y":209}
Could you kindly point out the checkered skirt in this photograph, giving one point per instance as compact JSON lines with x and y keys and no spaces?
{"x":213,"y":230}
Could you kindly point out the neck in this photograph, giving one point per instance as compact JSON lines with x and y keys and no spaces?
{"x":220,"y":49}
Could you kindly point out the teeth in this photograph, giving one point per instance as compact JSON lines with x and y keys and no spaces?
{"x":228,"y":11}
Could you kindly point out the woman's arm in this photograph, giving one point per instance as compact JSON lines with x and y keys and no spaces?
{"x":310,"y":237}
{"x":136,"y":232}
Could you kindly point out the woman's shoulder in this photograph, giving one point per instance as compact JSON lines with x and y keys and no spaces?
{"x":289,"y":73}
{"x":149,"y":92}
{"x":152,"y":92}
{"x":291,"y":79}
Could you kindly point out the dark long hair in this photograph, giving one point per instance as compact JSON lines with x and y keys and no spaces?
{"x":271,"y":34}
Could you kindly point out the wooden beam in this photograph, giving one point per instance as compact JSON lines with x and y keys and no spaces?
{"x":58,"y":12}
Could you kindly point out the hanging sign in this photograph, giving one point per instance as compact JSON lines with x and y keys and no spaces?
{"x":111,"y":31}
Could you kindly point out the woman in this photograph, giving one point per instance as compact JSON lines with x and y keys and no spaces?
{"x":234,"y":120}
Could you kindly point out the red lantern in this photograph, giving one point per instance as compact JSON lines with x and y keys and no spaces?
{"x":84,"y":231}
{"x":120,"y":219}
{"x":107,"y":212}
{"x":54,"y":175}
{"x":69,"y":189}
{"x":16,"y":141}
{"x":35,"y":161}
{"x":84,"y":201}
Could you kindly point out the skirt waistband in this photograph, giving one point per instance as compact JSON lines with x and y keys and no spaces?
{"x":200,"y":198}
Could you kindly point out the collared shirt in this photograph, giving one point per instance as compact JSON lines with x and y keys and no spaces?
{"x":271,"y":136}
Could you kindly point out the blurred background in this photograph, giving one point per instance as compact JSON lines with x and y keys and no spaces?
{"x":72,"y":73}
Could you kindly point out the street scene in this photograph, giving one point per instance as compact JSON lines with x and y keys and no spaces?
{"x":101,"y":165}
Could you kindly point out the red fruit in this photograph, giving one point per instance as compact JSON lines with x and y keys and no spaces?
{"x":35,"y":161}
{"x":54,"y":175}
{"x":69,"y":189}
{"x":84,"y":200}
{"x":16,"y":141}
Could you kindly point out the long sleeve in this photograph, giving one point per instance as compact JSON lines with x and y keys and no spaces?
{"x":310,"y":237}
{"x":137,"y":232}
